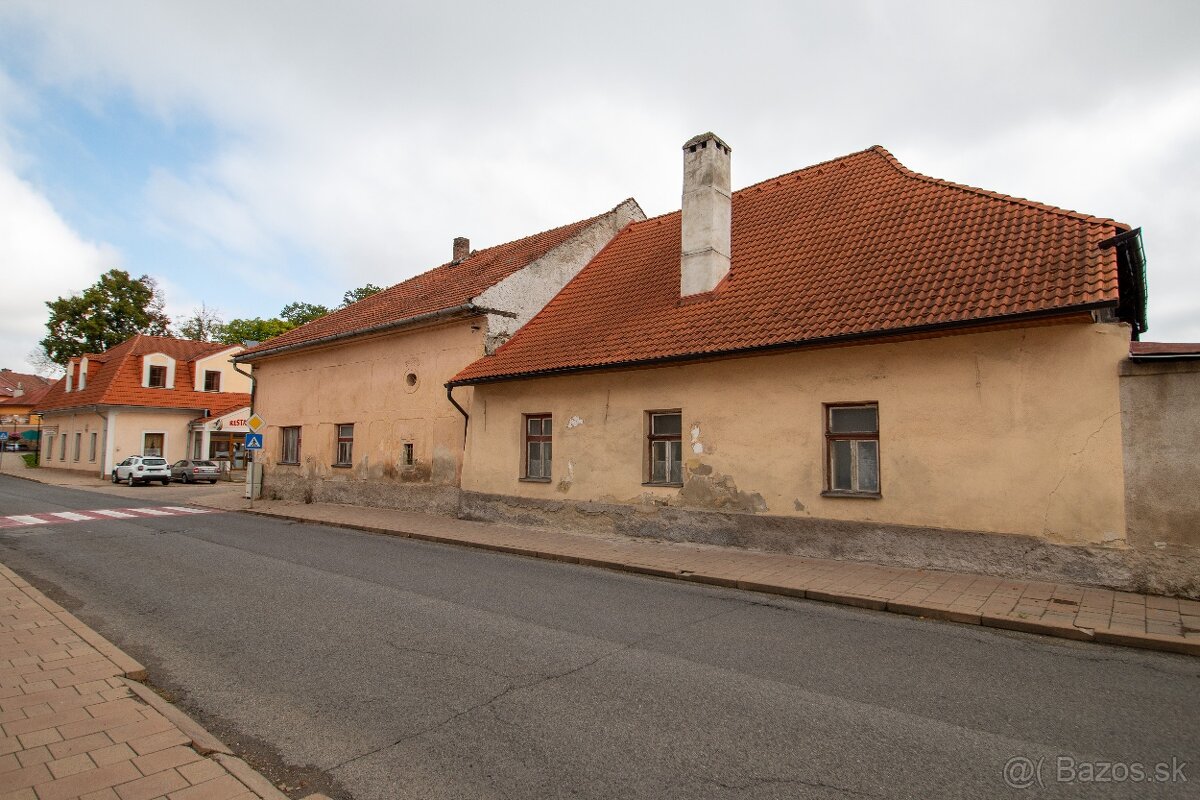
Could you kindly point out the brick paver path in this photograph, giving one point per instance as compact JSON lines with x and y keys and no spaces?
{"x":71,"y":726}
{"x":1058,"y":609}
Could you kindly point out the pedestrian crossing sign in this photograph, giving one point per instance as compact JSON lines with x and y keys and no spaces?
{"x":254,"y":441}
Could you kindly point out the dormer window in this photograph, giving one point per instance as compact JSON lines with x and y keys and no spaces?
{"x":158,"y":371}
{"x":157,"y":378}
{"x":212,"y":380}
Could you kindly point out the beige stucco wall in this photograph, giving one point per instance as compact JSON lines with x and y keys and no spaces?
{"x":364,"y":382}
{"x":1014,"y":431}
{"x":121,"y":433}
{"x":231,"y":379}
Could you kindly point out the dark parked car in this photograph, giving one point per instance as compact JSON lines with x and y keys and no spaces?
{"x":189,"y":471}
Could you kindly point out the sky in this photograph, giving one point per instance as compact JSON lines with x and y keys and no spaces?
{"x":247,"y":155}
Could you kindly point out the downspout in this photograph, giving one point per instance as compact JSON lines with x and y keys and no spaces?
{"x":461,"y":410}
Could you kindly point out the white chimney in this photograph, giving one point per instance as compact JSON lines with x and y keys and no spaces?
{"x":707,"y":214}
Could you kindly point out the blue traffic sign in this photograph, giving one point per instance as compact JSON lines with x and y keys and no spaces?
{"x":254,"y":441}
{"x":3,"y":436}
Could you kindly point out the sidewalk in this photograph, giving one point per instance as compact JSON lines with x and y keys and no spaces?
{"x":1056,"y":609}
{"x":76,"y":726}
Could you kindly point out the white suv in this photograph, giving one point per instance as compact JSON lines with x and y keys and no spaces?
{"x":142,"y":469}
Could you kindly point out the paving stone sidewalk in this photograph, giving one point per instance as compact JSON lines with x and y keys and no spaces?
{"x":1057,"y":609}
{"x":75,"y":726}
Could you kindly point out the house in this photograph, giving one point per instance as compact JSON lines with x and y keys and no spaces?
{"x":852,"y":360}
{"x":354,"y":402}
{"x":140,"y":398}
{"x":19,"y":395}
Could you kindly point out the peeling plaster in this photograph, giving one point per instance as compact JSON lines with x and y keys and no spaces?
{"x":574,"y":422}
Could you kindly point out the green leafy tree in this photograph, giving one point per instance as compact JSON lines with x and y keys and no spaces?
{"x":257,"y":329}
{"x":105,"y":314}
{"x":204,"y":325}
{"x":299,"y":313}
{"x":361,"y":293}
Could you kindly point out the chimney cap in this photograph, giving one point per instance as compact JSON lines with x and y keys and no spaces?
{"x":704,"y":137}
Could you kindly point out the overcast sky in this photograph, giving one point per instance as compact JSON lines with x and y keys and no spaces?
{"x":250,"y":154}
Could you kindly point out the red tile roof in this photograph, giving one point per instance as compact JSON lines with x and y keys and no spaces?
{"x":221,"y":410}
{"x":442,"y":288}
{"x":10,"y":380}
{"x":855,"y":247}
{"x":115,"y":378}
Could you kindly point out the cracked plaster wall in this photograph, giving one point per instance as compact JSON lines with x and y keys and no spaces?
{"x":1012,"y":432}
{"x":1161,"y":424}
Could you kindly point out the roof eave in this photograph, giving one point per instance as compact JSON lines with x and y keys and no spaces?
{"x":852,"y":338}
{"x":464,"y":309}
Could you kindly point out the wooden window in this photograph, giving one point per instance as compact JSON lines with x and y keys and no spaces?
{"x":212,"y":380}
{"x":289,"y":452}
{"x":407,"y":458}
{"x":157,"y":378}
{"x":345,"y":445}
{"x":665,"y":448}
{"x":852,"y":449}
{"x":78,"y":446}
{"x":92,"y":448}
{"x":539,"y":447}
{"x":62,"y":451}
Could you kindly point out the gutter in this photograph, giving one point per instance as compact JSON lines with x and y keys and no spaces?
{"x":869,"y":336}
{"x":465,"y":308}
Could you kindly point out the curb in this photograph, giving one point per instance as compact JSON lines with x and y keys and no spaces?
{"x":203,"y":742}
{"x":1143,"y":641}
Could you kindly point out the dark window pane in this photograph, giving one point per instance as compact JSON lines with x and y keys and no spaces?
{"x":658,"y":462}
{"x":535,"y":426}
{"x":858,"y":419}
{"x":666,"y":424}
{"x":676,"y":472}
{"x":546,"y":426}
{"x":868,"y":466}
{"x":839,"y":453}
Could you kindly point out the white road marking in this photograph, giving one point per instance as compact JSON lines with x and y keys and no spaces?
{"x":117,"y":514}
{"x":25,"y":519}
{"x":70,"y":516}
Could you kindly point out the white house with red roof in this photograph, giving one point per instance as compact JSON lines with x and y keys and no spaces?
{"x":142,"y":397}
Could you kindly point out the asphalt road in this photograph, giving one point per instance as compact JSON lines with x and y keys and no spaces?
{"x":380,"y":668}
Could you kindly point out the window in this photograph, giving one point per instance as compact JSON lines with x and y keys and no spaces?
{"x":49,"y":447}
{"x":78,"y":447}
{"x":158,"y":377}
{"x":345,"y":445}
{"x":290,"y":452}
{"x":852,"y":449}
{"x":92,"y":448}
{"x":539,"y":447}
{"x":198,"y":446}
{"x":406,"y":458}
{"x":62,"y":450}
{"x":212,"y":380}
{"x":665,"y":448}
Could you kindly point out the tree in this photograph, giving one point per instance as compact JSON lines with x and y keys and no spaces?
{"x":204,"y":325}
{"x":105,"y":314}
{"x":42,"y":365}
{"x":257,"y":329}
{"x":361,"y":293}
{"x":299,"y":313}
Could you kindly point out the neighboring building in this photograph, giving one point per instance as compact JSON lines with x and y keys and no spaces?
{"x":19,"y":395}
{"x":139,"y":398}
{"x":852,"y":360}
{"x":354,"y":402}
{"x":1160,"y":401}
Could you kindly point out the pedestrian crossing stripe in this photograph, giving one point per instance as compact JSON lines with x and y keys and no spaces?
{"x":100,"y":514}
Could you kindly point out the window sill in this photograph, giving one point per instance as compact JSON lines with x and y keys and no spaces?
{"x":287,"y":463}
{"x":664,"y":485}
{"x":534,"y":480}
{"x":853,"y":495}
{"x":342,"y":466}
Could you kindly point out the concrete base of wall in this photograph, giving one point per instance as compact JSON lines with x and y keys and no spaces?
{"x":424,"y":497}
{"x":1009,"y":556}
{"x":1169,"y":572}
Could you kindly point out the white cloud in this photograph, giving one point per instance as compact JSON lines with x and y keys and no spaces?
{"x":43,"y":259}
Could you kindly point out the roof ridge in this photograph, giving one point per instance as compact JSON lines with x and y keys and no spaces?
{"x":1090,"y":219}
